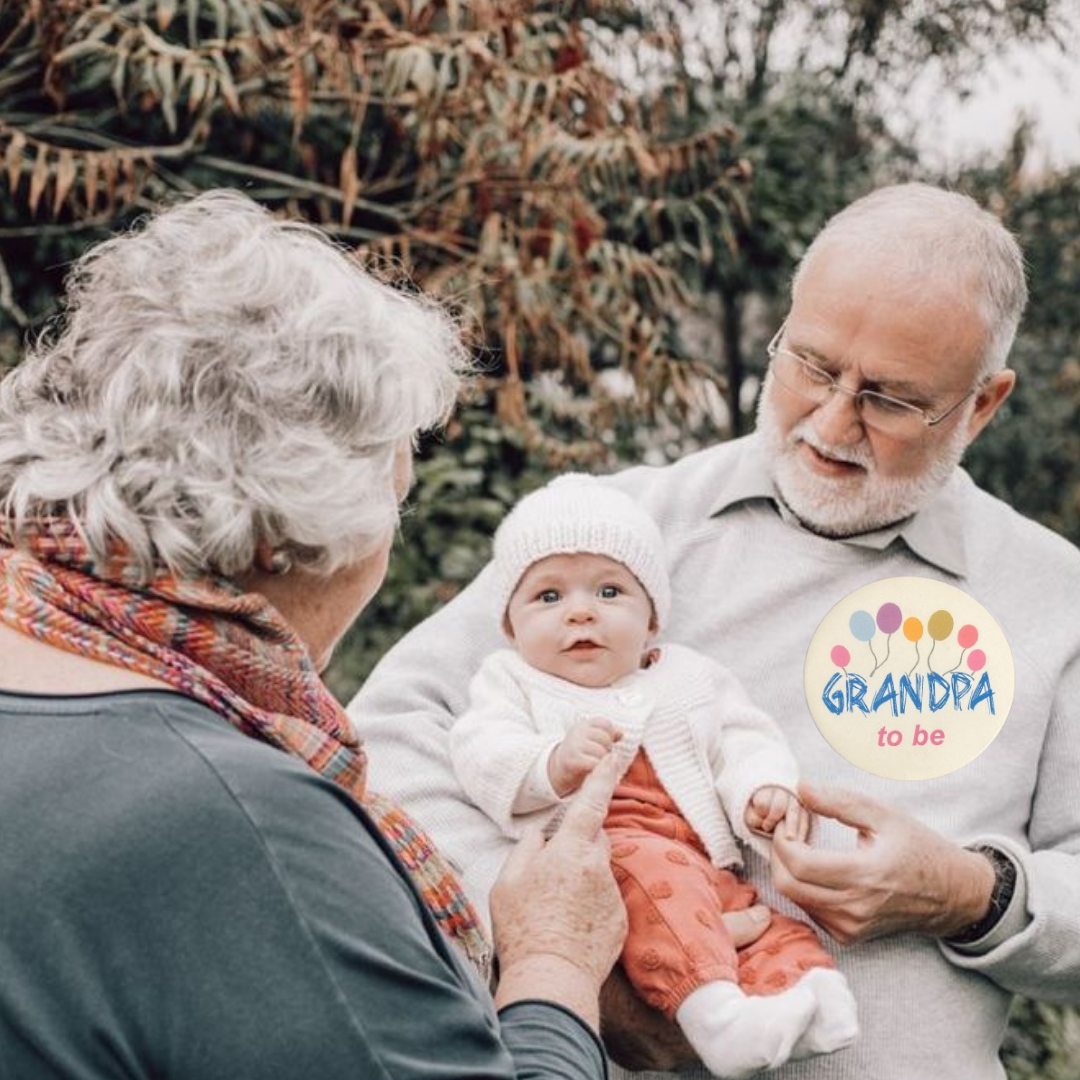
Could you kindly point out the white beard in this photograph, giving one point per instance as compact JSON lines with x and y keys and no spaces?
{"x":847,"y":506}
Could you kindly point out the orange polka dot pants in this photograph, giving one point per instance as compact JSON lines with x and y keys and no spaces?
{"x":675,"y":899}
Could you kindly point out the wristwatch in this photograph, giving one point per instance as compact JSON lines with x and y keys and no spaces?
{"x":1000,"y":895}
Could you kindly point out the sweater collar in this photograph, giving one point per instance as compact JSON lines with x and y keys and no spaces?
{"x":935,"y":534}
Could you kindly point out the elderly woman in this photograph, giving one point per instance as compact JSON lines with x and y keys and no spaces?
{"x":200,"y":477}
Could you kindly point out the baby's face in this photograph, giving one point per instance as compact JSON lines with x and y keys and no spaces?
{"x":584,"y":618}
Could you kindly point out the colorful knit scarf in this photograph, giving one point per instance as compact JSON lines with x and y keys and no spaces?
{"x":232,"y":652}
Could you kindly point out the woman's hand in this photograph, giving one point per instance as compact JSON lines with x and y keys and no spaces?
{"x":558,"y":918}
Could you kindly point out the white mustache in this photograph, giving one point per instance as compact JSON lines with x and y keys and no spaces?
{"x":859,"y":454}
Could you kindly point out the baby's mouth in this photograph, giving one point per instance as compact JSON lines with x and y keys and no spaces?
{"x":584,"y":645}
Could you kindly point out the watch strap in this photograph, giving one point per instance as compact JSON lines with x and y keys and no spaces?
{"x":1000,"y":896}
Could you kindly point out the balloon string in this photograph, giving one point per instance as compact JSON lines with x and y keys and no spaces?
{"x":877,"y":664}
{"x":888,"y":647}
{"x":916,"y":664}
{"x":957,"y":664}
{"x":929,"y":666}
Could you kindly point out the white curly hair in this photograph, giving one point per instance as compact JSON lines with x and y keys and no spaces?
{"x":224,"y":379}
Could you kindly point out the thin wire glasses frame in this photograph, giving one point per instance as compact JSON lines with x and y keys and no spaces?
{"x":886,"y":413}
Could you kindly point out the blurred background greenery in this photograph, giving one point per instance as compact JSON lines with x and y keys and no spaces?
{"x":612,"y":193}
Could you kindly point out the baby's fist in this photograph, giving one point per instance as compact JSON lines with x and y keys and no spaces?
{"x":585,"y":745}
{"x":768,"y":806}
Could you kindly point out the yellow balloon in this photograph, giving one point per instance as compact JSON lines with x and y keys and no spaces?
{"x":940,"y":625}
{"x":912,"y":629}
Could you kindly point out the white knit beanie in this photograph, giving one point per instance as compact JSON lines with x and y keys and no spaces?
{"x":578,"y":513}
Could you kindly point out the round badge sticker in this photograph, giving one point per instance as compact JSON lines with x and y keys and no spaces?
{"x":909,"y":678}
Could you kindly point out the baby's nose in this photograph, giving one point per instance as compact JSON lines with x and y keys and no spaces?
{"x":581,"y":611}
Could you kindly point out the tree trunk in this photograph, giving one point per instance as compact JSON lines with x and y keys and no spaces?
{"x":734,"y":367}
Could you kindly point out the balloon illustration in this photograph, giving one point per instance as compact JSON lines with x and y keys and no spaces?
{"x":862,"y":626}
{"x":840,"y":656}
{"x":889,"y":619}
{"x":966,"y":636}
{"x":913,"y":631}
{"x":977,"y":659}
{"x":940,"y":626}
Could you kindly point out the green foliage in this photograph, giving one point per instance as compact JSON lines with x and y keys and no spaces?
{"x":1032,"y":456}
{"x":1043,"y":1042}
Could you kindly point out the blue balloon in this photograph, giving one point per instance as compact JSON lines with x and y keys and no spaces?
{"x":862,"y":626}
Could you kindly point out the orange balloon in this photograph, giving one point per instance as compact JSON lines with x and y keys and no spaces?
{"x":912,"y":629}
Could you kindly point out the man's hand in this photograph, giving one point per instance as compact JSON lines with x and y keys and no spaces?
{"x":577,"y":755}
{"x":902,"y":876}
{"x":768,"y":806}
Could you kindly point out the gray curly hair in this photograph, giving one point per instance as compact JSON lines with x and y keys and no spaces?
{"x":949,"y":241}
{"x":224,"y":379}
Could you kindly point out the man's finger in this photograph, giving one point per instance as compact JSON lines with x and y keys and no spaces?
{"x":815,"y":866}
{"x":849,"y":807}
{"x":589,"y":806}
{"x":796,"y":821}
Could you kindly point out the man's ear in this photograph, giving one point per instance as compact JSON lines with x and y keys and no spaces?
{"x":988,"y":400}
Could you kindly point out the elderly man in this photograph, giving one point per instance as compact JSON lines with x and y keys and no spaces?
{"x":960,"y":890}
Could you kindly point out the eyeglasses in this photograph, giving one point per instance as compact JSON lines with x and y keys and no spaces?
{"x":889,"y":415}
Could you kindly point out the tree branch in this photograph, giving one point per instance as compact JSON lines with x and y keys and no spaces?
{"x":7,"y":298}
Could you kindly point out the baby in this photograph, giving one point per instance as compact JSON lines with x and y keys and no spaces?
{"x":583,"y":594}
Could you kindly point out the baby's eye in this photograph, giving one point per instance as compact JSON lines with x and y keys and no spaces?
{"x":609,"y":592}
{"x":549,"y":596}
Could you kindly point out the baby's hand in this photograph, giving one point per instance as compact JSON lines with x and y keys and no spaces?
{"x":769,"y":806}
{"x":579,"y":753}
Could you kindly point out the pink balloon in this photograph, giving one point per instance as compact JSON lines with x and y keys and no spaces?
{"x":967,"y":636}
{"x":976,"y":659}
{"x":840,"y":656}
{"x":889,"y":618}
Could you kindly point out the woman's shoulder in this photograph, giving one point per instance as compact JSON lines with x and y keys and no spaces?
{"x":157,"y":775}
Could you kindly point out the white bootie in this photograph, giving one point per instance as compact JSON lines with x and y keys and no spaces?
{"x":736,"y":1035}
{"x":835,"y":1022}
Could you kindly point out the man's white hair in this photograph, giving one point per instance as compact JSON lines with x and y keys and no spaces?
{"x":946,"y":239}
{"x":224,"y":379}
